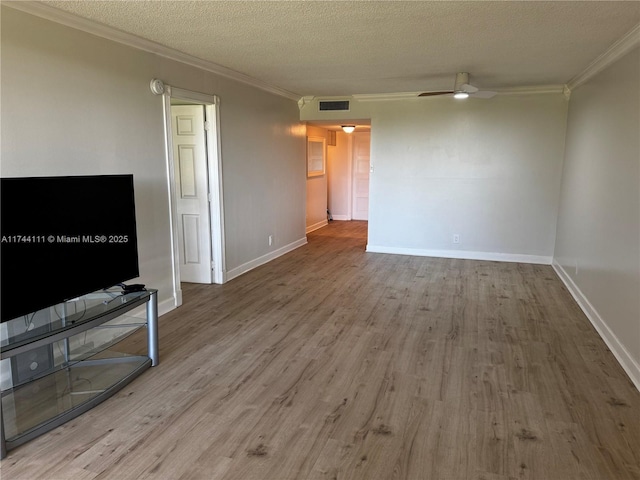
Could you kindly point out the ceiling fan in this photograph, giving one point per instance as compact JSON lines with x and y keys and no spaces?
{"x":462,"y":89}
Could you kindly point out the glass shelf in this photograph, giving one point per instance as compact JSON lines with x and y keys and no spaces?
{"x":88,"y":310}
{"x":73,"y":349}
{"x":61,"y":361}
{"x":66,"y":392}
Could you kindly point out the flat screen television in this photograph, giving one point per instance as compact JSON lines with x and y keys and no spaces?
{"x":63,"y":237}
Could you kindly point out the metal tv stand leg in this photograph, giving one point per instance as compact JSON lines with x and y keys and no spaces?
{"x":3,"y":445}
{"x":152,"y":329}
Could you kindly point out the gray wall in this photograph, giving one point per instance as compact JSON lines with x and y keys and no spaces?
{"x":73,"y":103}
{"x":598,"y":239}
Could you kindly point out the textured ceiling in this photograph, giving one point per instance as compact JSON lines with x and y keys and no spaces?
{"x":361,"y":47}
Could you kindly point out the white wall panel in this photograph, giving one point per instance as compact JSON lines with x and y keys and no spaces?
{"x":191,"y":234}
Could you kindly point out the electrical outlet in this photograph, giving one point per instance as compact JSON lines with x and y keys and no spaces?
{"x":456,"y":238}
{"x":270,"y":240}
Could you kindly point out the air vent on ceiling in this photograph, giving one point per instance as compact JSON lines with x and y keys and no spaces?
{"x":334,"y":105}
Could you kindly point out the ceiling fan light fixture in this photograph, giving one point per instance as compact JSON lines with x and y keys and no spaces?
{"x":462,"y":89}
{"x":348,"y":128}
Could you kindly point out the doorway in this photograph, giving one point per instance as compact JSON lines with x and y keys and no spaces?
{"x":195,"y":188}
{"x":349,"y":168}
{"x":192,"y":191}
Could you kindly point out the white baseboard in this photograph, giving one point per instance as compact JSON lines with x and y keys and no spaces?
{"x":176,"y":302}
{"x":316,"y":226}
{"x":341,"y":217}
{"x":463,"y":254}
{"x":628,"y":363}
{"x":167,"y":305}
{"x":245,"y":267}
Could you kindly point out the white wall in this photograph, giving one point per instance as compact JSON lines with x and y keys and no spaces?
{"x":316,"y":190}
{"x":73,"y":103}
{"x":598,"y":241}
{"x":339,"y":176}
{"x":488,"y":170}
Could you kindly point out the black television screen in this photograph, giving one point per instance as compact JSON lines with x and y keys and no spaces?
{"x":62,"y":237}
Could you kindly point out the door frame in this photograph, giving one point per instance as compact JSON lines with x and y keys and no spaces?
{"x":214,"y":170}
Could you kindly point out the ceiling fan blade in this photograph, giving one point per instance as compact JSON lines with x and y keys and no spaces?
{"x":466,"y":87}
{"x":484,"y":94}
{"x":433,"y":94}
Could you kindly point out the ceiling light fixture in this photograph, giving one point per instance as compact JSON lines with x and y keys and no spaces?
{"x":460,"y":95}
{"x":348,"y":128}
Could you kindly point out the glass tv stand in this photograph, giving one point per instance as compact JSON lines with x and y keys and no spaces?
{"x":59,"y":362}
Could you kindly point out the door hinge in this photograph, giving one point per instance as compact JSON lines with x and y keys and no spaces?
{"x":209,"y":197}
{"x":207,"y":125}
{"x":213,"y":265}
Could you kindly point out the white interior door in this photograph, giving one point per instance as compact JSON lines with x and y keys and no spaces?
{"x":361,"y":165}
{"x":192,"y":192}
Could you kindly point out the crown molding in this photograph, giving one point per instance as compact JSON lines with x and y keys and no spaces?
{"x":620,"y":48}
{"x":94,"y":28}
{"x":531,"y":90}
{"x":302,"y":101}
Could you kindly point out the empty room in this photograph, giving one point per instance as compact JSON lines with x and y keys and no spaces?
{"x":282,"y":240}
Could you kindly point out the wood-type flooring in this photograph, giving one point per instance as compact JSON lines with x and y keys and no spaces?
{"x":332,"y":363}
